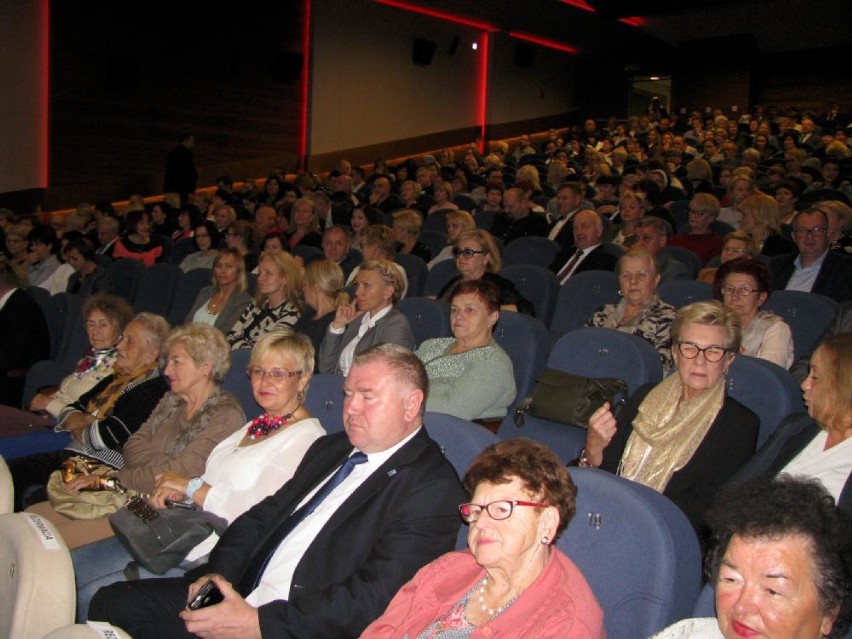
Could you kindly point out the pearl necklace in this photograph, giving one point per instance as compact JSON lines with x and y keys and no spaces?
{"x":482,"y":606}
{"x":266,"y":423}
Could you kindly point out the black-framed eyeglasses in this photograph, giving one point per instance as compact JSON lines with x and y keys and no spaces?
{"x":712,"y":354}
{"x":741,"y":291}
{"x":275,"y":375}
{"x":805,"y":232}
{"x":497,"y":510}
{"x":468,"y":252}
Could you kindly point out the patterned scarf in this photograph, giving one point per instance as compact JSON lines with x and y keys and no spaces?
{"x":667,"y":431}
{"x":102,"y":405}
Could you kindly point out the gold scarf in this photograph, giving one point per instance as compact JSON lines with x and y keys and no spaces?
{"x":668,"y":431}
{"x":101,"y":406}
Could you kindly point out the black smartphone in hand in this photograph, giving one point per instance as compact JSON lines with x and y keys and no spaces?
{"x":208,"y":595}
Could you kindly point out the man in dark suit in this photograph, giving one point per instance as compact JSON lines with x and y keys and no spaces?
{"x":569,"y":199}
{"x":517,"y":220}
{"x":587,"y":254}
{"x":333,"y":571}
{"x":24,"y":338}
{"x":336,"y":246}
{"x":815,"y":269}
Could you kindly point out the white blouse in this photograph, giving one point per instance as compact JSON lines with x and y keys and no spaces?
{"x":241,"y":476}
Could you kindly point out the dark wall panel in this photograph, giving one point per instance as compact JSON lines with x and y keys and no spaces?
{"x":128,"y":79}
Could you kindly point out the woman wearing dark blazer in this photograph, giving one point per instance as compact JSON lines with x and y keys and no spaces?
{"x":222,"y":303}
{"x":370,"y":320}
{"x":819,"y":444}
{"x":683,"y":437}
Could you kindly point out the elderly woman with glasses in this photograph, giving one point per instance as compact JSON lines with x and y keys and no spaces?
{"x":684,"y":437}
{"x":244,"y":468}
{"x":512,"y":581}
{"x":477,"y":257}
{"x":744,"y":285}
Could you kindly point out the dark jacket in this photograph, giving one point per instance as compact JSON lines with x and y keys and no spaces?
{"x":834,"y":279}
{"x":790,"y":438}
{"x":24,"y":340}
{"x":728,"y":445}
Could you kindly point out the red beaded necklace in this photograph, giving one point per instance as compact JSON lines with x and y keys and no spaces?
{"x":266,"y":423}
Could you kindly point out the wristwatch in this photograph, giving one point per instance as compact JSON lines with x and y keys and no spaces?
{"x":583,"y":462}
{"x":194,"y":484}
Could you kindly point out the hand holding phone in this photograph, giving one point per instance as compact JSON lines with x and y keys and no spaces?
{"x":208,"y":595}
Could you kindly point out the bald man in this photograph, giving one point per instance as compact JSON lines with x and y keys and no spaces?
{"x":588,"y":254}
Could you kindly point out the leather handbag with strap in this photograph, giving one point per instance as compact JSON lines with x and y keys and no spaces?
{"x":86,"y":504}
{"x":159,"y":539}
{"x":566,"y":398}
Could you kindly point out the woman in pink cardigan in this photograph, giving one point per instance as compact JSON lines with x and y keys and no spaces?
{"x":512,"y":582}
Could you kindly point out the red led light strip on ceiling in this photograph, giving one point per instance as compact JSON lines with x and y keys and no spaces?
{"x":306,"y":68}
{"x":441,"y":15}
{"x":580,"y":4}
{"x":545,"y":42}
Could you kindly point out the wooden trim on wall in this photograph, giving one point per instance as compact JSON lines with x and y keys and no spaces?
{"x":433,"y":142}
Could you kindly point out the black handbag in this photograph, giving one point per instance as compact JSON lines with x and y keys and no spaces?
{"x":566,"y":398}
{"x":160,"y":539}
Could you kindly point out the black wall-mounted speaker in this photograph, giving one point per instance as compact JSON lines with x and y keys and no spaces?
{"x":423,"y":51}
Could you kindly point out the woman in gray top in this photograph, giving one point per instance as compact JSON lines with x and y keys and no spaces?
{"x":371,"y":319}
{"x":222,"y":303}
{"x":470,"y":376}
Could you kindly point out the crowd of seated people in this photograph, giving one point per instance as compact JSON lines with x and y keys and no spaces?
{"x":611,"y":198}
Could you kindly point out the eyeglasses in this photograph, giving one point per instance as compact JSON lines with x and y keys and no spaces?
{"x":711,"y":353}
{"x":467,"y":253}
{"x":697,"y":212}
{"x":497,"y":510}
{"x":742,"y":291}
{"x":733,"y":249}
{"x":276,"y":375}
{"x":803,"y":232}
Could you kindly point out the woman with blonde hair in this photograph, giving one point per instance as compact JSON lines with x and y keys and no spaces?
{"x":477,"y":257}
{"x":222,"y":303}
{"x":323,"y":292}
{"x":372,"y":319}
{"x":527,"y":177}
{"x":304,"y":225}
{"x":444,"y":194}
{"x":247,"y":466}
{"x":632,"y":207}
{"x":761,"y":219}
{"x":406,"y":229}
{"x":277,"y":303}
{"x":457,"y":223}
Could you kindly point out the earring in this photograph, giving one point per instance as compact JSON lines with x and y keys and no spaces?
{"x":545,"y":540}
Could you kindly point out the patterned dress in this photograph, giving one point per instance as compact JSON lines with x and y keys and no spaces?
{"x":256,"y":321}
{"x":653,"y":324}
